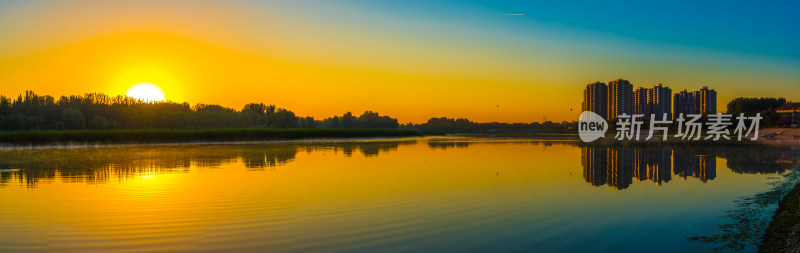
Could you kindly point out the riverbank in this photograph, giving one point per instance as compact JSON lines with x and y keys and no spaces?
{"x":768,"y":136}
{"x":783,"y":233}
{"x":148,"y":136}
{"x":780,"y":136}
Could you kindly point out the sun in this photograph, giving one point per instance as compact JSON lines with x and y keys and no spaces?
{"x":146,"y":91}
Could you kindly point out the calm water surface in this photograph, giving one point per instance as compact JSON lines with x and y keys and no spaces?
{"x":427,"y":194}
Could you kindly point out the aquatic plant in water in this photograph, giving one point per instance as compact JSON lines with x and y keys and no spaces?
{"x":751,"y":216}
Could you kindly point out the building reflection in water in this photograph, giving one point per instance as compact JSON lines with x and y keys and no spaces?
{"x":617,"y":167}
{"x":594,"y":165}
{"x":622,"y":176}
{"x":702,"y":167}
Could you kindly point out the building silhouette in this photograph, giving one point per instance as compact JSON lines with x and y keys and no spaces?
{"x":620,"y":98}
{"x":706,"y":101}
{"x":640,"y":101}
{"x":595,"y":99}
{"x":788,"y":113}
{"x":696,"y":102}
{"x":683,"y":102}
{"x":659,"y":100}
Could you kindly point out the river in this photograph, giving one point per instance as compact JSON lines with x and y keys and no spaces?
{"x":406,"y":195}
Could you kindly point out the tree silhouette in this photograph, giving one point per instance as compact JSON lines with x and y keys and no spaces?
{"x":368,"y":119}
{"x":99,"y":111}
{"x":73,"y":119}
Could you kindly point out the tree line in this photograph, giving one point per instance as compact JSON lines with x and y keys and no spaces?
{"x":462,"y":125}
{"x":100,"y":111}
{"x":750,"y":106}
{"x":368,"y":119}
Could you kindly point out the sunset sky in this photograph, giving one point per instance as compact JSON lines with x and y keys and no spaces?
{"x":505,"y":61}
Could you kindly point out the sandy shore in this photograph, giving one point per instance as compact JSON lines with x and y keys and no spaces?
{"x":779,"y":136}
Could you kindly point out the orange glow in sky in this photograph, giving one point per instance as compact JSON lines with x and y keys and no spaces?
{"x":325,"y":59}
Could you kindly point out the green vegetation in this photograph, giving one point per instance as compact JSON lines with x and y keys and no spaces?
{"x":200,"y":135}
{"x":783,"y":233}
{"x":448,"y":125}
{"x":98,"y":111}
{"x":367,"y":120}
{"x":751,"y":106}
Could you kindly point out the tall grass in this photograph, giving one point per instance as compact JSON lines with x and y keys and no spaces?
{"x":204,"y":135}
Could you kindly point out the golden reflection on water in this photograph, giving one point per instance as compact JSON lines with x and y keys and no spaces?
{"x":411,"y":194}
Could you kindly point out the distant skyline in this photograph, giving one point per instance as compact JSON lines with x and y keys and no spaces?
{"x":504,"y":61}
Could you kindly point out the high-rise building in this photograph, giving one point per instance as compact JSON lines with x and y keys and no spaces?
{"x":695,"y":102}
{"x":620,"y":98}
{"x":595,"y":98}
{"x":706,"y":101}
{"x":640,"y":101}
{"x":658,"y":102}
{"x":683,"y":102}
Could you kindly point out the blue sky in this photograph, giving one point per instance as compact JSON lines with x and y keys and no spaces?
{"x":751,"y":27}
